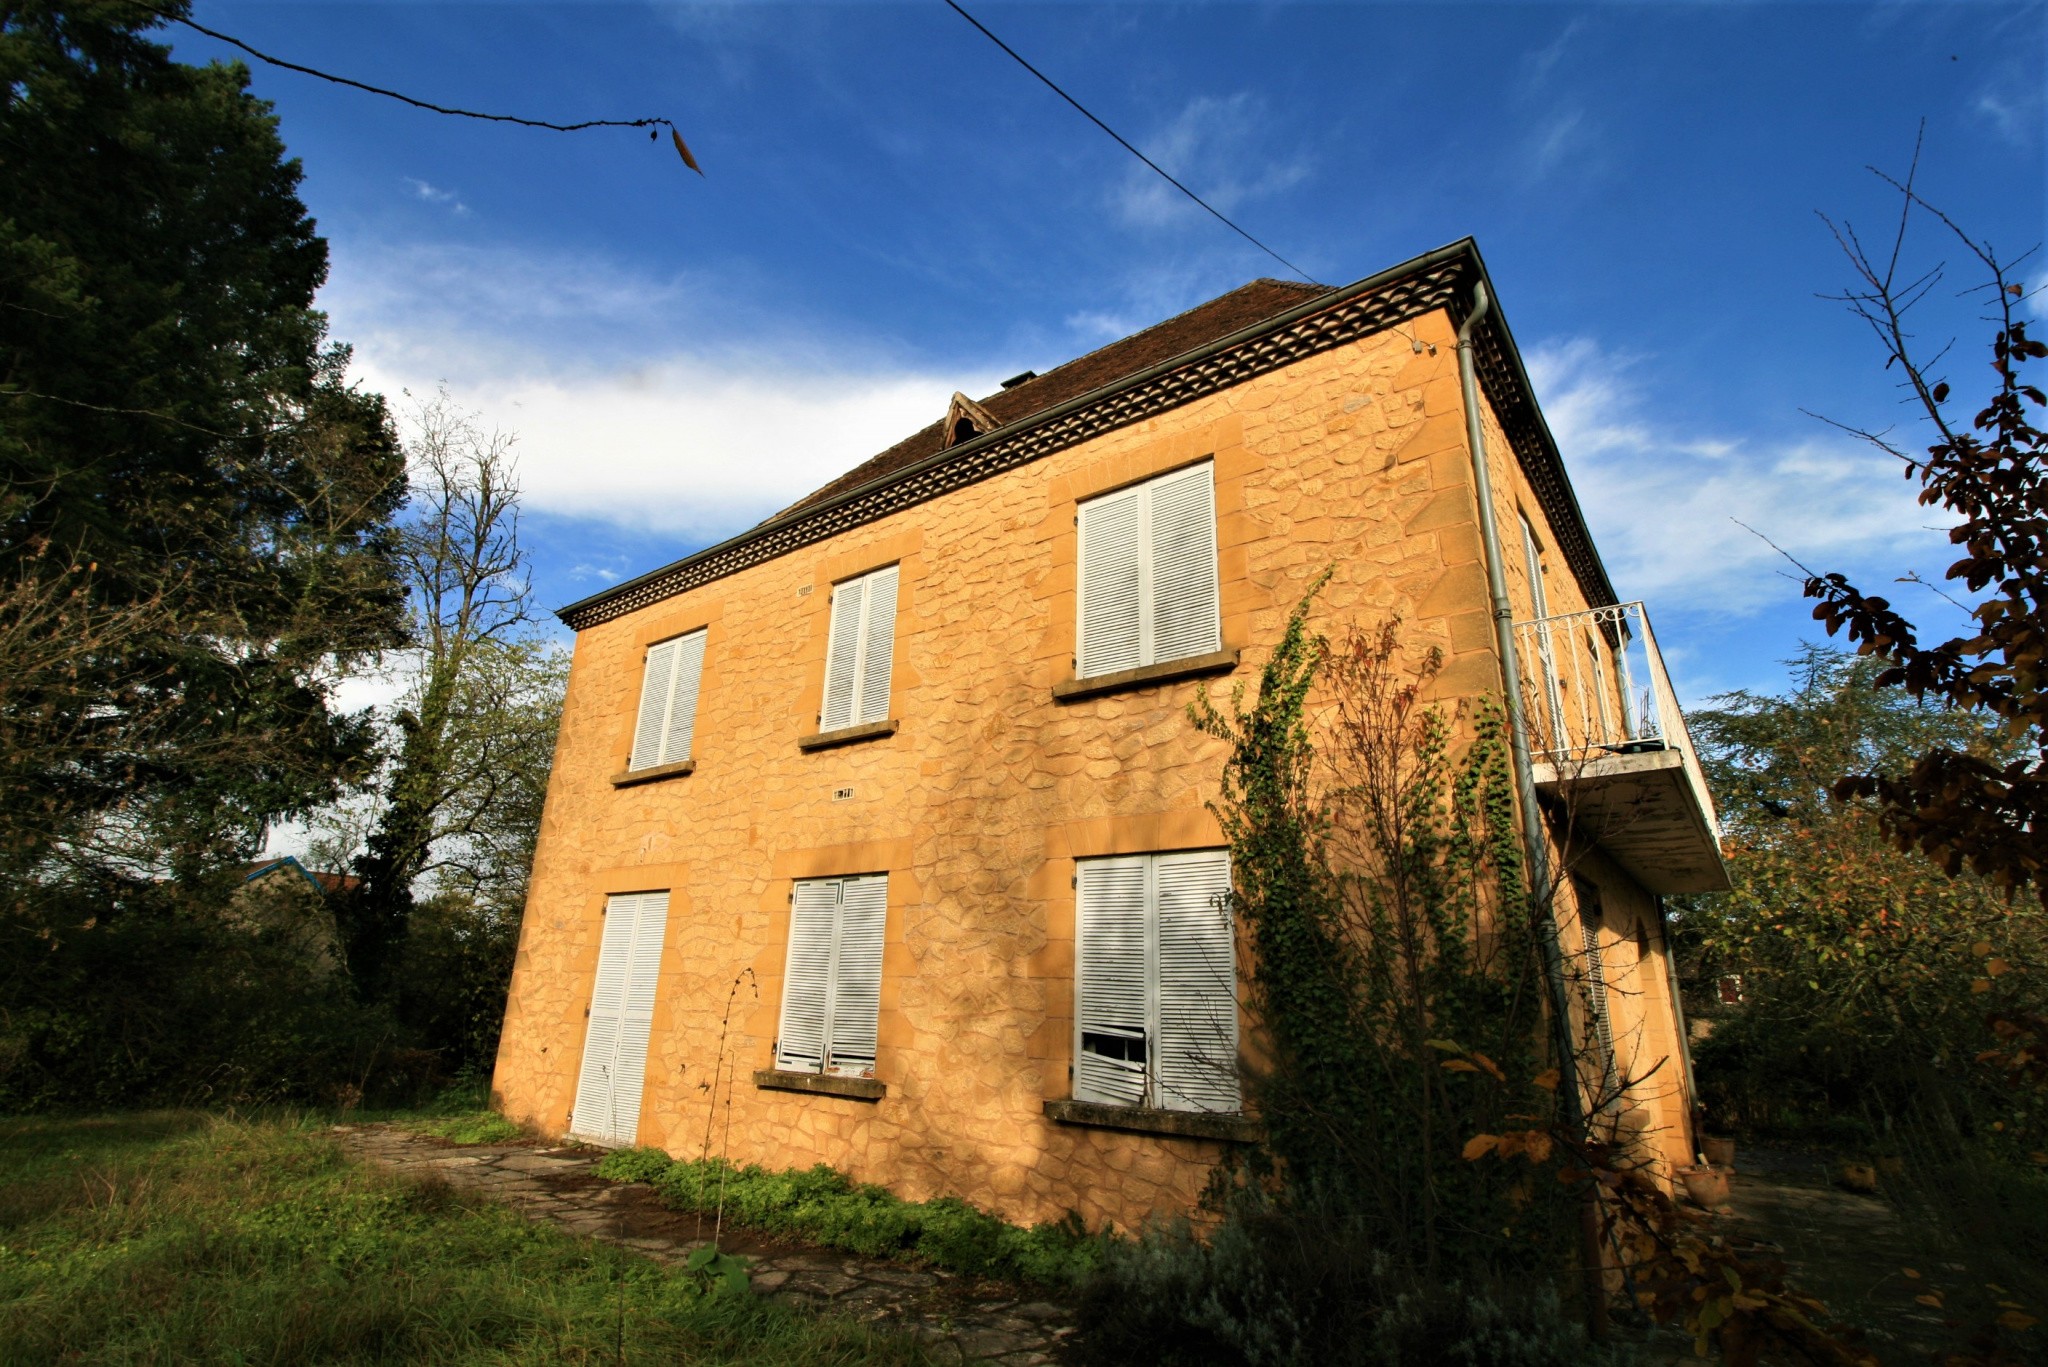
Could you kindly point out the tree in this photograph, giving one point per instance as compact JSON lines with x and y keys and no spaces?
{"x":468,"y":609}
{"x":184,"y":468}
{"x":1958,"y":807}
{"x":1865,"y":968}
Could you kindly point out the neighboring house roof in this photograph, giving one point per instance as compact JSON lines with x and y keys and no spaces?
{"x":326,"y":884}
{"x":1250,"y":331}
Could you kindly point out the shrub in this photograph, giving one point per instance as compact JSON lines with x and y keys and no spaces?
{"x":1272,"y":1289}
{"x":827,"y":1207}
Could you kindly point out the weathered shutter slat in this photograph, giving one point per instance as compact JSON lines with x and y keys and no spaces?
{"x":842,"y":681}
{"x":1196,"y":1059}
{"x":1185,"y":618}
{"x":807,"y":977}
{"x":857,"y":984}
{"x":1111,"y":587}
{"x":682,"y":709}
{"x":1111,"y":1039}
{"x":654,"y":699}
{"x":878,"y":646}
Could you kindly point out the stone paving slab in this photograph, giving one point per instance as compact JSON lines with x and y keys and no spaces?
{"x":957,"y":1320}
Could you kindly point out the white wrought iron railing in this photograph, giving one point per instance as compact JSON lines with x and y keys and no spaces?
{"x":1594,"y":684}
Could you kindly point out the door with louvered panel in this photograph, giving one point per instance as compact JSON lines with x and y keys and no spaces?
{"x":614,"y":1071}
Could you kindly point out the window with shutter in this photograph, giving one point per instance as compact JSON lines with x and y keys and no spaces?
{"x":622,"y":997}
{"x":1147,"y":574}
{"x":668,"y":702}
{"x":1595,"y":974}
{"x":860,"y":650}
{"x":832,"y":982}
{"x":1155,"y":1014}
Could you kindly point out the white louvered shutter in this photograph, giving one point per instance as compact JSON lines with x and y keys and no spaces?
{"x":1111,"y":602}
{"x":636,"y":1017}
{"x":682,"y":707}
{"x":649,"y":731}
{"x":1185,"y":618}
{"x":857,"y":976}
{"x":842,"y":656}
{"x":807,"y":977}
{"x":877,"y":646}
{"x":1195,"y":1061}
{"x":1596,"y":993}
{"x":614,"y":1071}
{"x":1110,"y":1012}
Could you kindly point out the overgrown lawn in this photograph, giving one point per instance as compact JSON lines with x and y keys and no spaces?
{"x":186,"y":1238}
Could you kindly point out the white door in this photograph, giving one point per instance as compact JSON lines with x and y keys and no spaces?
{"x":614,"y":1071}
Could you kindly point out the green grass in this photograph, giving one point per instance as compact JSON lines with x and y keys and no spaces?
{"x":826,"y":1207}
{"x":477,"y":1127}
{"x":181,"y":1238}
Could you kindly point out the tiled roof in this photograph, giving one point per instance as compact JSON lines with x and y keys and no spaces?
{"x":1248,"y":332}
{"x":1221,"y":316}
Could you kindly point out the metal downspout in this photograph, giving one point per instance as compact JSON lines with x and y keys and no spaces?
{"x":1535,"y":843}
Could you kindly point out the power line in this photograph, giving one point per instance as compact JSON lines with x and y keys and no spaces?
{"x":649,"y":124}
{"x":1085,"y":113}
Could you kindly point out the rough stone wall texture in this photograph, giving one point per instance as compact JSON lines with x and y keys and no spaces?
{"x":979,"y":803}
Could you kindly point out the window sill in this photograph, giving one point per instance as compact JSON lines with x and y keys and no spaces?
{"x":1231,"y":1129}
{"x":822,"y":1084}
{"x":627,"y":778}
{"x":848,"y":735}
{"x":1145,"y":676}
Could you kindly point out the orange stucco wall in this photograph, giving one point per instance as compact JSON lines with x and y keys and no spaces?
{"x":979,"y":803}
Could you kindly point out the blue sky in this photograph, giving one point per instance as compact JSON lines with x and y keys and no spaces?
{"x":893,"y":210}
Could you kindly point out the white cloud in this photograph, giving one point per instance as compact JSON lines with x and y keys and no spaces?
{"x":1538,"y":64}
{"x":1667,"y":506}
{"x":1223,"y":150}
{"x":628,"y":406}
{"x":1562,"y":139}
{"x":434,"y":194}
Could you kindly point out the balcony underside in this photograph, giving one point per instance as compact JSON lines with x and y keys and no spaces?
{"x":1644,"y":811}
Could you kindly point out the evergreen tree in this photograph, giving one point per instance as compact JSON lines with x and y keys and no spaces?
{"x":196,"y":508}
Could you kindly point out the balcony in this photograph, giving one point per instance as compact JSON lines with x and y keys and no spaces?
{"x":1610,"y":749}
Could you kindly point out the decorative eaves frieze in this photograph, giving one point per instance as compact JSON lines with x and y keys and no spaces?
{"x":1441,"y":280}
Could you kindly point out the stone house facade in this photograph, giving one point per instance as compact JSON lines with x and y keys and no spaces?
{"x":878,"y":837}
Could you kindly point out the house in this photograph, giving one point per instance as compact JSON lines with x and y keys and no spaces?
{"x":282,"y":899}
{"x":877,"y":835}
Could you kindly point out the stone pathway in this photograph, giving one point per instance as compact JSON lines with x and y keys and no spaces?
{"x":1848,"y":1249}
{"x":959,"y":1319}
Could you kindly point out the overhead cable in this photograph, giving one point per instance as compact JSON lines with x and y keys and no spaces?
{"x":1054,"y":86}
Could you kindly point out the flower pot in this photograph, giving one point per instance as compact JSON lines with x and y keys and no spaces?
{"x":1720,"y":1153}
{"x":1705,"y":1187}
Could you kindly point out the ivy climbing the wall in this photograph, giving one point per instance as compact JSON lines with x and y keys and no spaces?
{"x":1396,"y":1002}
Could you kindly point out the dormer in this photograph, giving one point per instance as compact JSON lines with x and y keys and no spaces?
{"x":966,"y":420}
